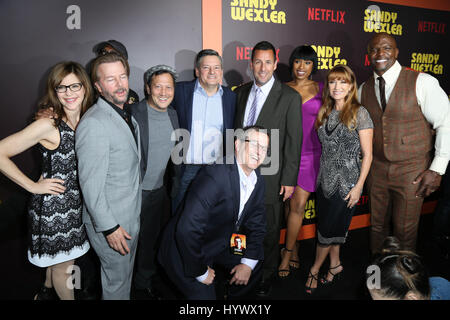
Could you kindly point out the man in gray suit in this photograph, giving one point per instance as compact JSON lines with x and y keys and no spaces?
{"x":108,"y":152}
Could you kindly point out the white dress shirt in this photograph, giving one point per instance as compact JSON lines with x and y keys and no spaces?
{"x":247,"y":185}
{"x":435,"y":106}
{"x":265,"y":89}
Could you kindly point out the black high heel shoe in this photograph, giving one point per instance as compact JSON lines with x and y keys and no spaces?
{"x":308,"y":288}
{"x":45,"y":293}
{"x":284,"y":273}
{"x":336,"y":276}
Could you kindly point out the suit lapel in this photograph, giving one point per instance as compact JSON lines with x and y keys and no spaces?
{"x":121,"y":123}
{"x":189,"y":92}
{"x":243,"y":103}
{"x":270,"y":104}
{"x":137,"y":144}
{"x":235,"y":189}
{"x":142,"y":119}
{"x":224,"y":113}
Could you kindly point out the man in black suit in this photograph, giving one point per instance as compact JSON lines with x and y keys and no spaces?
{"x":275,"y":106}
{"x":201,"y":235}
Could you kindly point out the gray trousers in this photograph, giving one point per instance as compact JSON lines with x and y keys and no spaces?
{"x":116,"y":270}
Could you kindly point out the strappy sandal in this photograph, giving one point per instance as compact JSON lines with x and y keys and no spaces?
{"x":45,"y":293}
{"x":295,"y":264}
{"x":284,"y":273}
{"x":308,"y":288}
{"x":336,"y":276}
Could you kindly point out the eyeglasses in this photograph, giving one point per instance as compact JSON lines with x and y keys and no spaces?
{"x":255,"y":144}
{"x":74,"y":87}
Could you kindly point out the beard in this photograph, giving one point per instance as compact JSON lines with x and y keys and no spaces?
{"x":112,"y":96}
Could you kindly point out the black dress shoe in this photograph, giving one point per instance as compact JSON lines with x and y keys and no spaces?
{"x":264,"y":289}
{"x":146,"y":294}
{"x":45,"y":293}
{"x":88,"y":293}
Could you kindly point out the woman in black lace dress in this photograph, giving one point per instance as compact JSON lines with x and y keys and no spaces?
{"x":57,"y":235}
{"x":345,"y":131}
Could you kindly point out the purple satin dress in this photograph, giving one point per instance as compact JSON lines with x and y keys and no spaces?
{"x":311,"y":147}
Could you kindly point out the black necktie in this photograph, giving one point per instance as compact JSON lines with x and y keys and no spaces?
{"x":382,"y":94}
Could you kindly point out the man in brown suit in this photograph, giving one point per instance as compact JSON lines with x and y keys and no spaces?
{"x":269,"y":103}
{"x":405,"y":106}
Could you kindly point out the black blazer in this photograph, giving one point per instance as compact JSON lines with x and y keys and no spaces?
{"x":283,"y":111}
{"x":202,"y":228}
{"x":140,"y":113}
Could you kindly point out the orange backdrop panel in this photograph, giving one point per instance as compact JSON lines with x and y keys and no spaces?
{"x":360,"y":221}
{"x":212,"y":25}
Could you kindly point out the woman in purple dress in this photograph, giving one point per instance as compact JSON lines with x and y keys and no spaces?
{"x":303,"y":63}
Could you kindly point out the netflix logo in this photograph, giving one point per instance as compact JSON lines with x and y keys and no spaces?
{"x":433,"y":27}
{"x":245,"y":53}
{"x":319,"y":14}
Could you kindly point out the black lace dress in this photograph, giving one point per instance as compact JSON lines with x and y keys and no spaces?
{"x":340,"y":166}
{"x":57,"y":233}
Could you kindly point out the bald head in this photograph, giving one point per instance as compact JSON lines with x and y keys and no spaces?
{"x":383,"y":52}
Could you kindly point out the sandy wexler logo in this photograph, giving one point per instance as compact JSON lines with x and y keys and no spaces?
{"x":328,"y":56}
{"x":257,"y":11}
{"x":426,"y":62}
{"x":376,"y":20}
{"x":310,"y":209}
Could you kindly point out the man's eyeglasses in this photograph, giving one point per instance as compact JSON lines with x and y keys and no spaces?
{"x":74,"y":87}
{"x":255,"y":144}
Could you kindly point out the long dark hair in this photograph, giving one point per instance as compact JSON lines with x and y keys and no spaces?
{"x":56,"y":76}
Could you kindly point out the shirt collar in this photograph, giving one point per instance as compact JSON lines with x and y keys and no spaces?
{"x":124,"y":113}
{"x":266,"y":87}
{"x":246,"y":180}
{"x":199,"y":89}
{"x":391,"y":75}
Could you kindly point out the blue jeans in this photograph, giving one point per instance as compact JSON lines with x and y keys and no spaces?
{"x":190,"y":172}
{"x":440,"y":288}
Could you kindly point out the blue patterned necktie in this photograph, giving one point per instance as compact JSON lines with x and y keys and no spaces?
{"x":251,"y":115}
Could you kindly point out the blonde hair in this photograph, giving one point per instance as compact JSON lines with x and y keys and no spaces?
{"x":351,"y":104}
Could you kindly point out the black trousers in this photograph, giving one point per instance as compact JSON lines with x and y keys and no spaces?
{"x":225,"y":261}
{"x":152,"y":210}
{"x":441,"y":227}
{"x":272,"y":240}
